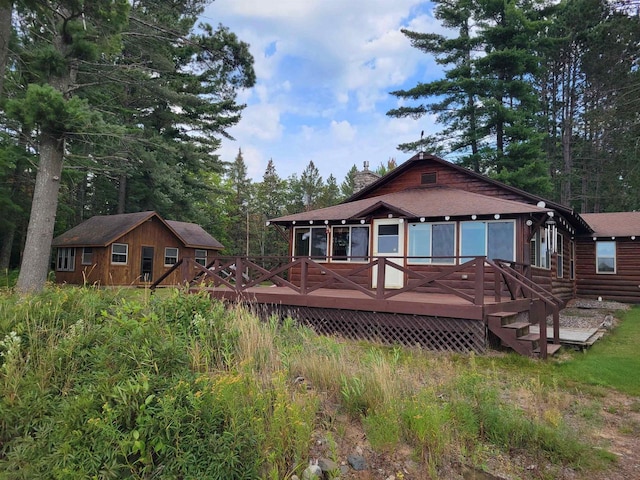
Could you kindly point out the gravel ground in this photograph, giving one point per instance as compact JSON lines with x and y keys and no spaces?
{"x":586,"y":313}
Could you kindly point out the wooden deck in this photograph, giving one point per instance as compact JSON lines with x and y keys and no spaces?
{"x":407,"y":303}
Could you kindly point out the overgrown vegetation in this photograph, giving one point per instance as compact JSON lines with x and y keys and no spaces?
{"x":112,"y":384}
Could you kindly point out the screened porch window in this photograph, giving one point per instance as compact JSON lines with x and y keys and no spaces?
{"x":428,"y":241}
{"x":605,"y":257}
{"x":350,"y":243}
{"x":310,"y":242}
{"x":490,"y":239}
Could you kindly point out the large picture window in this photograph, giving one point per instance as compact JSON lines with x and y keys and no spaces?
{"x":432,"y":243}
{"x":119,"y":253}
{"x":310,"y":242}
{"x":490,"y":239}
{"x":66,"y":261}
{"x":350,"y":243}
{"x":606,"y":257}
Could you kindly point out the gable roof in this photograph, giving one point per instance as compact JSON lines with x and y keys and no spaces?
{"x":428,"y":202}
{"x":616,"y":224}
{"x":194,"y":236}
{"x":102,"y":230}
{"x":567,"y":212}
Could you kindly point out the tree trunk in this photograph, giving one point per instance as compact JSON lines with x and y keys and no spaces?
{"x":37,"y":249}
{"x":122,"y":193}
{"x":7,"y":246}
{"x":6,"y":7}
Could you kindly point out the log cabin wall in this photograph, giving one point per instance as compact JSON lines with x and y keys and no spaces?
{"x":622,"y":286}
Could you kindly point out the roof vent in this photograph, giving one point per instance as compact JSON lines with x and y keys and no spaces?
{"x":428,"y":178}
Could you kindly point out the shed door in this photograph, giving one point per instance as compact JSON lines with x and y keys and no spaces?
{"x":146,"y":264}
{"x":388,"y":241}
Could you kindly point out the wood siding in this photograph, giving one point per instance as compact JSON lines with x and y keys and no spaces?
{"x":152,"y":233}
{"x":623,"y":286}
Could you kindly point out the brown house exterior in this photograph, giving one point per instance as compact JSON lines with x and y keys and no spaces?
{"x":129,"y":249}
{"x":430,"y":214}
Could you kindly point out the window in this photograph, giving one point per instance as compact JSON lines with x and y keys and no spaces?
{"x":539,"y":251}
{"x":66,"y":259}
{"x":388,"y":238}
{"x":170,"y":256}
{"x":490,"y":239}
{"x":201,"y":257}
{"x":310,"y":242}
{"x":572,"y":261}
{"x":560,"y":257}
{"x":119,"y":253}
{"x":87,"y":256}
{"x":350,"y":243}
{"x":430,"y":241}
{"x":605,"y":257}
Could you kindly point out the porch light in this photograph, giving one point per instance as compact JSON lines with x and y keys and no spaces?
{"x":343,"y":222}
{"x":447,"y":218}
{"x":422,"y":219}
{"x":633,"y":238}
{"x":326,"y":222}
{"x":541,"y":204}
{"x":550,"y":214}
{"x":473,"y":217}
{"x":595,"y":238}
{"x":390,"y":215}
{"x":613,"y":238}
{"x":497,"y":216}
{"x":294,"y":222}
{"x":362,"y":221}
{"x":268,"y":223}
{"x":310,"y":222}
{"x":529,"y":223}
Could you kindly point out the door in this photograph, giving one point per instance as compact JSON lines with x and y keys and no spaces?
{"x":146,"y":264}
{"x":388,"y":241}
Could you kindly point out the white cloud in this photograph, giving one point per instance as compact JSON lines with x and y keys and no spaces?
{"x":343,"y":131}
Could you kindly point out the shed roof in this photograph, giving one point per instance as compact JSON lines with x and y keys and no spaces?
{"x":615,"y":224}
{"x":102,"y":230}
{"x":428,"y":202}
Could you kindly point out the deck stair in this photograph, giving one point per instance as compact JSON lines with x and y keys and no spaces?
{"x":513,"y":330}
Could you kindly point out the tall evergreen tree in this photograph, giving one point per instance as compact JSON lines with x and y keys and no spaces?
{"x":348,"y":184}
{"x":270,"y":203}
{"x":240,"y":206}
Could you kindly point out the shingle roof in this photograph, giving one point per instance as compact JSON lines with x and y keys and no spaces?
{"x":194,"y":236}
{"x":102,"y":230}
{"x":616,"y":224}
{"x":435,"y":201}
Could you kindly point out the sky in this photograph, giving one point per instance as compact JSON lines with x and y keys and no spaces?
{"x":324,"y":72}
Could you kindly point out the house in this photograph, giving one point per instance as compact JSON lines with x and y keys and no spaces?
{"x":440,"y":256}
{"x":129,"y":249}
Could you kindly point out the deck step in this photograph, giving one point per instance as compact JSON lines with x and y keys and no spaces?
{"x":552,"y":349}
{"x":517,"y":325}
{"x":529,"y":337}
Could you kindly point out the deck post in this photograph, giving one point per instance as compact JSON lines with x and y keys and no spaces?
{"x":497,"y":285}
{"x":382,"y":263}
{"x":239,"y":268}
{"x":479,"y":287}
{"x":304,"y":273}
{"x":556,"y":325}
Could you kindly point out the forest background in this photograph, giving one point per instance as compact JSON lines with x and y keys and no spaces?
{"x":123,"y":105}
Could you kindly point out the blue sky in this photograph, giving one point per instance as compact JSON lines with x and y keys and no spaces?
{"x":324,"y":72}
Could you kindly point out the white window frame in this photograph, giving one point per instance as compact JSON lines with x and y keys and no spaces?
{"x":87,"y":255}
{"x":359,"y":259}
{"x":311,"y":228}
{"x":466,"y":257}
{"x":66,"y":261}
{"x":200,"y":256}
{"x":598,"y":257}
{"x":538,"y":241}
{"x":173,"y":257}
{"x":572,"y":260}
{"x":430,"y":260}
{"x":559,"y":255}
{"x":124,"y":254}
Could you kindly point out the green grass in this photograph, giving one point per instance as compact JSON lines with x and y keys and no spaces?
{"x":613,"y":362}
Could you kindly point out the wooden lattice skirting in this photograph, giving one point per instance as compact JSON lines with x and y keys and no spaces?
{"x":434,"y":333}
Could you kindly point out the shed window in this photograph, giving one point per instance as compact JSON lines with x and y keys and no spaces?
{"x":310,"y":242}
{"x":170,"y":256}
{"x":432,"y":243}
{"x":606,"y":257}
{"x":201,"y":257}
{"x":66,"y":261}
{"x":350,"y":243}
{"x":120,"y":253}
{"x":87,"y":256}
